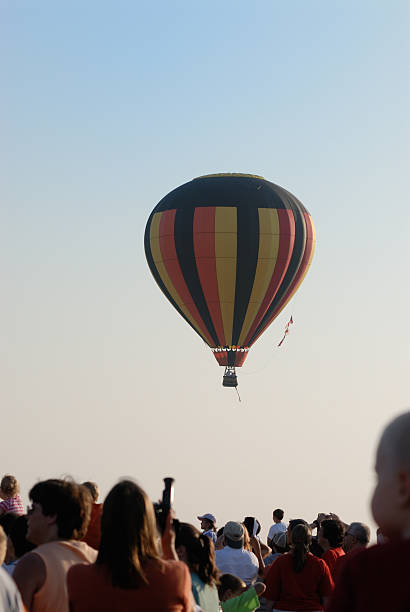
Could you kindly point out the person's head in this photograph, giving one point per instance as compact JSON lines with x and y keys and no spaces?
{"x":93,"y":489}
{"x":292,"y":525}
{"x":391,"y":498}
{"x":17,"y":539}
{"x":331,"y":534}
{"x":300,"y":539}
{"x":9,"y":486}
{"x":230,"y":586}
{"x":208,"y":522}
{"x":380,"y":537}
{"x":220,"y":540}
{"x":357,"y":535}
{"x":279,"y":542}
{"x":198,"y":552}
{"x":252,"y":525}
{"x":3,"y":545}
{"x":278,"y":515}
{"x":246,"y":539}
{"x":128,"y":534}
{"x":234,"y":534}
{"x":60,"y":510}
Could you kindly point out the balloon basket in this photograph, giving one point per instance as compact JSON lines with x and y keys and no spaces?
{"x":229,"y":378}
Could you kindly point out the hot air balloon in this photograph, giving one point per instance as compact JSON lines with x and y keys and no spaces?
{"x":229,"y":251}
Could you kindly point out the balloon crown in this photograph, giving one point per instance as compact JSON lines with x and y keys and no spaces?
{"x":233,"y":174}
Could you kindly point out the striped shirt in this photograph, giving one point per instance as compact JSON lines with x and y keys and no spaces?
{"x":12,"y":504}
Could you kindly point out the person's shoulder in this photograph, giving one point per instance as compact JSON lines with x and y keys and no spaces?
{"x":381,"y":553}
{"x":84,"y":551}
{"x":284,"y":558}
{"x":173,"y":567}
{"x":82,"y":569}
{"x":30,"y":561}
{"x":80,"y":573}
{"x":330,"y":554}
{"x":250,"y":555}
{"x":313,"y":560}
{"x":30,"y":570}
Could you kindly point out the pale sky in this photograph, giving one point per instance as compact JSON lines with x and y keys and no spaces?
{"x":106,"y":107}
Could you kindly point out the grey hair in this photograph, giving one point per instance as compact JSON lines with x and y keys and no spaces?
{"x":360,"y":531}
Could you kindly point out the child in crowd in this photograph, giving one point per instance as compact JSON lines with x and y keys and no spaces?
{"x":235,"y":597}
{"x":9,"y":492}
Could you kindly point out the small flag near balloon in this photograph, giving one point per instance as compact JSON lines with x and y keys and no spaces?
{"x":289,"y":323}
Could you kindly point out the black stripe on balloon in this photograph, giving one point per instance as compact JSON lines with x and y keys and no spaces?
{"x":246,"y":262}
{"x":231,"y":357}
{"x":225,"y":191}
{"x":295,"y":261}
{"x":184,"y":245}
{"x":155,"y":273}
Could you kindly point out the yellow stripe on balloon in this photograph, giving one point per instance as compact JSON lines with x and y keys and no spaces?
{"x":162,"y":271}
{"x":225,"y":257}
{"x":269,"y":236}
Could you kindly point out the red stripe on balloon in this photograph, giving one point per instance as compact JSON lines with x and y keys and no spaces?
{"x":170,"y":259}
{"x":204,"y":249}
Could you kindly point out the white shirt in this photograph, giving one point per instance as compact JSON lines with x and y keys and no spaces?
{"x":239,"y":562}
{"x":9,"y":595}
{"x":277,"y":528}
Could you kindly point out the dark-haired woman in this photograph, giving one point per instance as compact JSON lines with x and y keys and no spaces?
{"x":330,"y":538}
{"x":298,"y":580}
{"x":198,"y":552}
{"x":253,"y":527}
{"x":129,"y":573}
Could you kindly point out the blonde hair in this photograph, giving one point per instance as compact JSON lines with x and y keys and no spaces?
{"x":246,"y":538}
{"x":9,"y":485}
{"x":229,"y":582}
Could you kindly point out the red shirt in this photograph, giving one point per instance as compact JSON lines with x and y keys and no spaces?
{"x":340,"y":561}
{"x":169,"y":589}
{"x":331,"y":556}
{"x":93,"y":535}
{"x":298,"y":591}
{"x":374,"y":580}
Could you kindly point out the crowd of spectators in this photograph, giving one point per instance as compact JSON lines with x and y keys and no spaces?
{"x":71,"y":553}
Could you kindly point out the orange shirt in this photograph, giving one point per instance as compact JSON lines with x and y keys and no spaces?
{"x":169,"y":589}
{"x":58,"y":557}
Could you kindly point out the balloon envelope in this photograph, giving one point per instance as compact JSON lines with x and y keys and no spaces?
{"x":229,"y":251}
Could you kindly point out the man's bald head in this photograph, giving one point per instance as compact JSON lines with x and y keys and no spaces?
{"x":395,"y":441}
{"x":391,"y":497}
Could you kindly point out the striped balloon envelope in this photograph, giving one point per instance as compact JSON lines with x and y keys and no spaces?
{"x":229,"y":251}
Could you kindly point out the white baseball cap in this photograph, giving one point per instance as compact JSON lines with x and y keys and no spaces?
{"x":208,"y":517}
